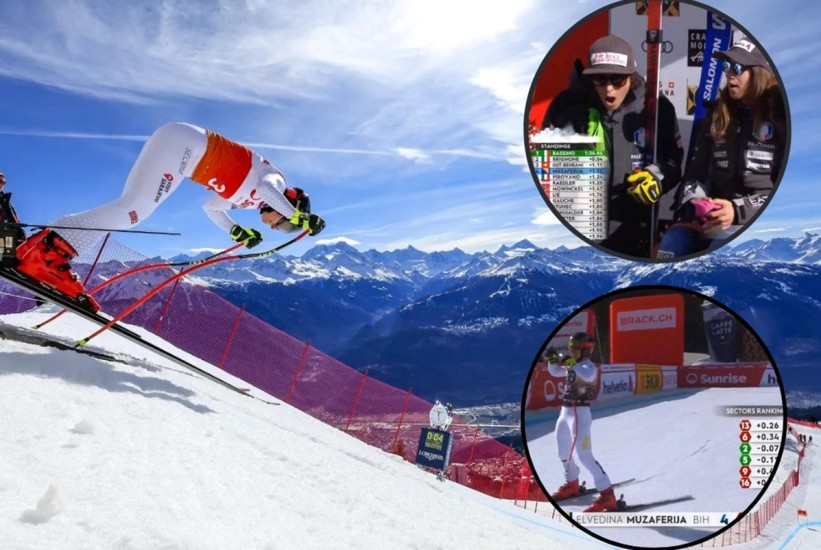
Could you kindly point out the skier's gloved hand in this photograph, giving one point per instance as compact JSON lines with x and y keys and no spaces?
{"x":569,"y":107}
{"x":643,"y":185}
{"x":551,"y":355}
{"x":248,"y":237}
{"x":313,"y":223}
{"x":568,"y":362}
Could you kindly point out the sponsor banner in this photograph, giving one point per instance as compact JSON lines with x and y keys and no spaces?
{"x":616,"y":381}
{"x":726,"y":375}
{"x":717,"y":37}
{"x":768,"y":377}
{"x":544,"y":390}
{"x":669,"y":375}
{"x":646,"y":319}
{"x":648,"y":378}
{"x":583,"y":321}
{"x":434,"y":448}
{"x":647,"y":329}
{"x":721,"y":330}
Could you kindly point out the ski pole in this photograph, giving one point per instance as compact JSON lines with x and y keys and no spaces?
{"x":654,"y":40}
{"x":575,"y":434}
{"x":94,"y":229}
{"x":156,"y":289}
{"x":135,"y":271}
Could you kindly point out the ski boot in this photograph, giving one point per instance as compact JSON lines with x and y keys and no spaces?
{"x":606,"y":502}
{"x":568,"y":490}
{"x":45,"y":257}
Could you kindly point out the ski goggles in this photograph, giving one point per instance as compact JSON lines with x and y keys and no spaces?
{"x":617,"y":80}
{"x":736,"y":68}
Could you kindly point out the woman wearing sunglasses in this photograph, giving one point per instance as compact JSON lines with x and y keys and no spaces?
{"x":608,"y":102}
{"x":736,"y":159}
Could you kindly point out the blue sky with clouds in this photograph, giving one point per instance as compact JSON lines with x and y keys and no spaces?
{"x":403,"y":120}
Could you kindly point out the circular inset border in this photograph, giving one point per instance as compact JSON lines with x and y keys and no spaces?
{"x":554,"y":211}
{"x":643,"y":290}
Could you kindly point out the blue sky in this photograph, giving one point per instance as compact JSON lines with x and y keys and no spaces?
{"x":403,"y":120}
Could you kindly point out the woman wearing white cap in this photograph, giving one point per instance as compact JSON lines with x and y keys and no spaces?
{"x":737,"y":158}
{"x":609,"y":103}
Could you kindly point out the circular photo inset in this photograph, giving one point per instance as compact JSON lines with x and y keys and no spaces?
{"x":657,"y":130}
{"x":653,"y":417}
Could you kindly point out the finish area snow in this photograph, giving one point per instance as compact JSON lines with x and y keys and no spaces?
{"x":674,"y":448}
{"x":143,"y":454}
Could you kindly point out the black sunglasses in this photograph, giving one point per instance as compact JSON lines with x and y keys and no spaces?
{"x":617,"y":80}
{"x":737,"y":68}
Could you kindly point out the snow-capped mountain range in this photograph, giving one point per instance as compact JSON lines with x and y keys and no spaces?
{"x":454,"y":325}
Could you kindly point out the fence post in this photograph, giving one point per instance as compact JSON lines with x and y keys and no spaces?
{"x":524,"y":486}
{"x":165,"y":307}
{"x":231,"y":337}
{"x":504,"y":472}
{"x":97,"y":259}
{"x":472,"y":448}
{"x":296,"y":372}
{"x":401,"y":418}
{"x":356,"y":399}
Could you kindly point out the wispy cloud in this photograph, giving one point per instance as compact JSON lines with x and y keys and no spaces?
{"x":346,"y":240}
{"x":771,"y":230}
{"x":71,"y":135}
{"x":414,"y":155}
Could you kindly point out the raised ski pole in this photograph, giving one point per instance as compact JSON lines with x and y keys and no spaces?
{"x":137,"y":270}
{"x":93,"y":229}
{"x":156,"y":289}
{"x":654,"y":41}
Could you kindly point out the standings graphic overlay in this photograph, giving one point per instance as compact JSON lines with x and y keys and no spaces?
{"x":573,"y":173}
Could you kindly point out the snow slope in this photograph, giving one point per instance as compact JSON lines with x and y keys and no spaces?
{"x":102,"y":454}
{"x":142,"y":454}
{"x":674,"y":447}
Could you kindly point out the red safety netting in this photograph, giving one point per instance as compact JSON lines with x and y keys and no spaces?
{"x":754,"y":523}
{"x":191,"y":317}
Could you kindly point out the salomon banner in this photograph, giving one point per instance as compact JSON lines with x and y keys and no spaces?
{"x":718,"y":35}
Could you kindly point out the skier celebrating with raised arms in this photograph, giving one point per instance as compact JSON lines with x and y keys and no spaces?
{"x":573,"y":428}
{"x":239,"y":177}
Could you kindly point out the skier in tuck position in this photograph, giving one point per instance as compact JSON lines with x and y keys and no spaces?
{"x":573,"y":426}
{"x":239,"y":177}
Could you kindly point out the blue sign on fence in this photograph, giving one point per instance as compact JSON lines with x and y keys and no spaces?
{"x":434,"y":448}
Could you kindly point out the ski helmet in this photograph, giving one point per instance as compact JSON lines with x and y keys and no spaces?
{"x":299,"y":199}
{"x":582,"y":342}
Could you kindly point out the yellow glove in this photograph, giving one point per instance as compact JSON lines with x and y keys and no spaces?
{"x":249,"y":237}
{"x":303,"y":220}
{"x":644,"y":187}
